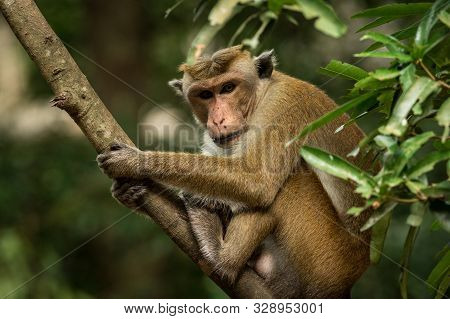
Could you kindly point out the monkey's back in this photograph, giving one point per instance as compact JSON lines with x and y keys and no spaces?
{"x":327,"y":257}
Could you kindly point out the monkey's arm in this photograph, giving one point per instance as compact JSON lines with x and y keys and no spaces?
{"x":253,"y":179}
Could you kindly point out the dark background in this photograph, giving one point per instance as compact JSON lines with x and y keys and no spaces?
{"x":61,"y":233}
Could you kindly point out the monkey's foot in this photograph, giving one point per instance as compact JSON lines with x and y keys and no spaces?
{"x":131,"y":193}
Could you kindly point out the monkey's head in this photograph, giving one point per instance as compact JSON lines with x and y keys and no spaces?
{"x":223,"y":90}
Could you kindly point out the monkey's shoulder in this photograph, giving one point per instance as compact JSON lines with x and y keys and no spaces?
{"x":298,"y":99}
{"x":296,"y":87}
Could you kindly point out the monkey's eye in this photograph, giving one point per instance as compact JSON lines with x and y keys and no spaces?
{"x":227,"y":88}
{"x":205,"y":95}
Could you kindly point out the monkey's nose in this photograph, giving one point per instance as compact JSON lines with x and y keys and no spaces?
{"x":219,"y":122}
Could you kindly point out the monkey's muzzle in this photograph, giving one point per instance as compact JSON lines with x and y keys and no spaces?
{"x":224,"y":139}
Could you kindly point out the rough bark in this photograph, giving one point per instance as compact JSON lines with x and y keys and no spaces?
{"x":75,"y":95}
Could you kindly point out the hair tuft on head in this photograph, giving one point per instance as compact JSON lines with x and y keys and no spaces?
{"x":206,"y":67}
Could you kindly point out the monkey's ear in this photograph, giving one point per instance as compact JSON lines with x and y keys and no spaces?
{"x":265,"y":63}
{"x":177,"y":85}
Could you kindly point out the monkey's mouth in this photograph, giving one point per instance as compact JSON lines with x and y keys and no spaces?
{"x":226,"y":139}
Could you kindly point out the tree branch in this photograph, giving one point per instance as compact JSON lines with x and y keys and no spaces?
{"x":75,"y":95}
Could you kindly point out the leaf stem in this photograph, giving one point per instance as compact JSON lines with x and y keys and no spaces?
{"x":428,"y":72}
{"x":424,"y":67}
{"x":403,"y":200}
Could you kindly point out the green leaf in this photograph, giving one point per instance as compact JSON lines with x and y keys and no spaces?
{"x":407,"y":76}
{"x":438,"y":36}
{"x":384,"y":141}
{"x":363,"y":143}
{"x":336,"y":166}
{"x":254,"y":41}
{"x":241,"y":28}
{"x":406,"y":33}
{"x":352,"y":120}
{"x":385,"y":209}
{"x":443,"y":118}
{"x":371,"y":84}
{"x":385,"y":74}
{"x":444,"y":16}
{"x":385,"y":99}
{"x":439,"y":54}
{"x":345,"y":70}
{"x":292,"y":20}
{"x":222,"y":12}
{"x":443,"y":286}
{"x":376,"y":23}
{"x":276,"y":5}
{"x":407,"y":250}
{"x":217,"y":20}
{"x":448,"y":168}
{"x":443,"y":217}
{"x":400,"y":35}
{"x":356,"y":211}
{"x":393,"y":181}
{"x":415,"y":187}
{"x":397,"y":10}
{"x":169,"y":10}
{"x":417,"y":210}
{"x":407,"y":150}
{"x":438,"y":272}
{"x":418,"y":92}
{"x":385,"y":55}
{"x":427,"y":163}
{"x":442,"y":221}
{"x":428,"y":21}
{"x":366,"y":98}
{"x":439,"y":146}
{"x":327,"y":21}
{"x":435,"y":40}
{"x":379,"y":231}
{"x":439,"y":190}
{"x":400,"y":156}
{"x":385,"y":39}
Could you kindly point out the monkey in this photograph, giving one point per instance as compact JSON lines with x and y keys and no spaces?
{"x":288,"y":220}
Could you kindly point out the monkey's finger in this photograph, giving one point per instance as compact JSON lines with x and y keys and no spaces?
{"x":124,"y":188}
{"x":106,"y":167}
{"x":103,"y":157}
{"x":116,"y":146}
{"x":117,"y":184}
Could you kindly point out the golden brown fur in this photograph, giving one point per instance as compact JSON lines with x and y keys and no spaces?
{"x":309,"y":247}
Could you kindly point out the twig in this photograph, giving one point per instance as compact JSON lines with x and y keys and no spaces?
{"x":428,"y":72}
{"x":403,"y":200}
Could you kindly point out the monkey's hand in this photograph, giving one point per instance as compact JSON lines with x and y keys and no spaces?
{"x":121,"y":160}
{"x":131,"y":193}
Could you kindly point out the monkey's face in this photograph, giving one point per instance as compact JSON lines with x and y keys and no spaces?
{"x":222,"y":104}
{"x":223,"y":91}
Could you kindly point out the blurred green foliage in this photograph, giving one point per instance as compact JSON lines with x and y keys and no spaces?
{"x":61,"y":233}
{"x":412,"y":94}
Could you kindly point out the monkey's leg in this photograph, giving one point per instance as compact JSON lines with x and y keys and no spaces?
{"x":244,"y":234}
{"x":208,"y":230}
